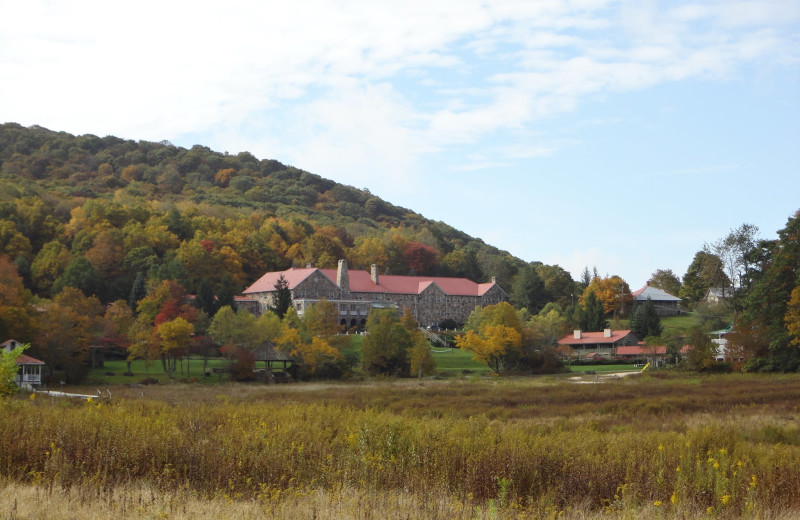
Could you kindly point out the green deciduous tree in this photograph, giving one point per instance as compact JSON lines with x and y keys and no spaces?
{"x":8,"y":369}
{"x":386,"y":345}
{"x":665,"y":280}
{"x":705,"y":272}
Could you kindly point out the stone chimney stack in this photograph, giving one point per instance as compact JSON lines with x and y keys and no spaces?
{"x":576,"y":334}
{"x":606,"y":333}
{"x":342,"y":278}
{"x":373,"y":273}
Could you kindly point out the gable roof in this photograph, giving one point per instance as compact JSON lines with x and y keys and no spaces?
{"x":595,"y":338}
{"x":654,"y":293}
{"x":361,"y":282}
{"x":292,"y":276}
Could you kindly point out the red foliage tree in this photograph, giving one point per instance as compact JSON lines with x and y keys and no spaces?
{"x":419,"y":257}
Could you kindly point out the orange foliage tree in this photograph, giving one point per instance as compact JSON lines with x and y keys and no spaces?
{"x":613,"y":292}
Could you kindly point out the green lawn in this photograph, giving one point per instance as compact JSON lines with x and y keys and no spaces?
{"x":447,"y":360}
{"x":191,"y":369}
{"x":455,"y":360}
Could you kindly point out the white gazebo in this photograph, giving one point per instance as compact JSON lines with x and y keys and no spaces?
{"x":29,"y":369}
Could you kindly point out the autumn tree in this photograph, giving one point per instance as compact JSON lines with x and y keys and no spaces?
{"x":421,"y":361}
{"x":68,"y":327}
{"x":311,"y":351}
{"x":420,"y":258}
{"x":117,"y":321}
{"x":612,"y":292}
{"x":49,"y":264}
{"x":493,"y":336}
{"x":321,"y":319}
{"x":792,"y":317}
{"x":702,"y":352}
{"x":17,"y":316}
{"x":175,"y":337}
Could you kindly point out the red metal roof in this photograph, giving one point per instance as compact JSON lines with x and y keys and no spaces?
{"x":361,"y":282}
{"x":594,"y":338}
{"x":27,"y":360}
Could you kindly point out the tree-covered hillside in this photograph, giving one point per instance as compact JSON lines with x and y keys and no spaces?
{"x":96,"y":213}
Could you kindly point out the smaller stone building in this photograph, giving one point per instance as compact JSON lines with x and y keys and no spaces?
{"x":431,"y":299}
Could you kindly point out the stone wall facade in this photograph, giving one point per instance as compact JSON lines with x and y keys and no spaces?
{"x":430,"y":307}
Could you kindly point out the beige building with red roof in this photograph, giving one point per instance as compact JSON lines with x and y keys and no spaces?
{"x":604,"y":343}
{"x":431,"y":299}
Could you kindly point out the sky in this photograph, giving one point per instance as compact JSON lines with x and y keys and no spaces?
{"x":621,"y":135}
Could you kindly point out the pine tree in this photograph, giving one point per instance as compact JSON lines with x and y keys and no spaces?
{"x":646,"y":321}
{"x":592,"y":316}
{"x":138,"y":291}
{"x":282,"y":298}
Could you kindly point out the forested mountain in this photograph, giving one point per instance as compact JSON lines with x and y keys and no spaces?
{"x":97,"y":213}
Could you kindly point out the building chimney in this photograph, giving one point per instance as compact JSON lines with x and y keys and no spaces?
{"x":606,"y":333}
{"x":576,"y":334}
{"x":342,"y":278}
{"x":373,"y":273}
{"x":494,"y":279}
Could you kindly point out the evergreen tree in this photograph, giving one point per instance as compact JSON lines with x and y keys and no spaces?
{"x":138,"y":291}
{"x":227,"y":292}
{"x":646,"y":321}
{"x":204,"y":300}
{"x":282,"y":298}
{"x":528,"y":290}
{"x":592,"y":316}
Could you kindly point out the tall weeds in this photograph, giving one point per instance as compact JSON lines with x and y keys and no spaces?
{"x":730,"y":459}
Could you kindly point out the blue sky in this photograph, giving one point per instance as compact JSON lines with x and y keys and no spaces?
{"x":617,"y":134}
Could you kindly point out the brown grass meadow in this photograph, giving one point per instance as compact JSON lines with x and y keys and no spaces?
{"x":659,"y":446}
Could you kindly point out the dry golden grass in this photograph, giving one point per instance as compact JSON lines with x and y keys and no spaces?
{"x":685,"y":447}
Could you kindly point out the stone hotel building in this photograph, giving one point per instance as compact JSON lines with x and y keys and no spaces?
{"x":431,"y":299}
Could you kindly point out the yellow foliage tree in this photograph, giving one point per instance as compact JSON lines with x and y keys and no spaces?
{"x":495,"y":346}
{"x":792,"y":317}
{"x":175,"y":337}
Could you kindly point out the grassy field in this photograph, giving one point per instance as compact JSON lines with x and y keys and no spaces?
{"x":647,"y":446}
{"x":450,"y":361}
